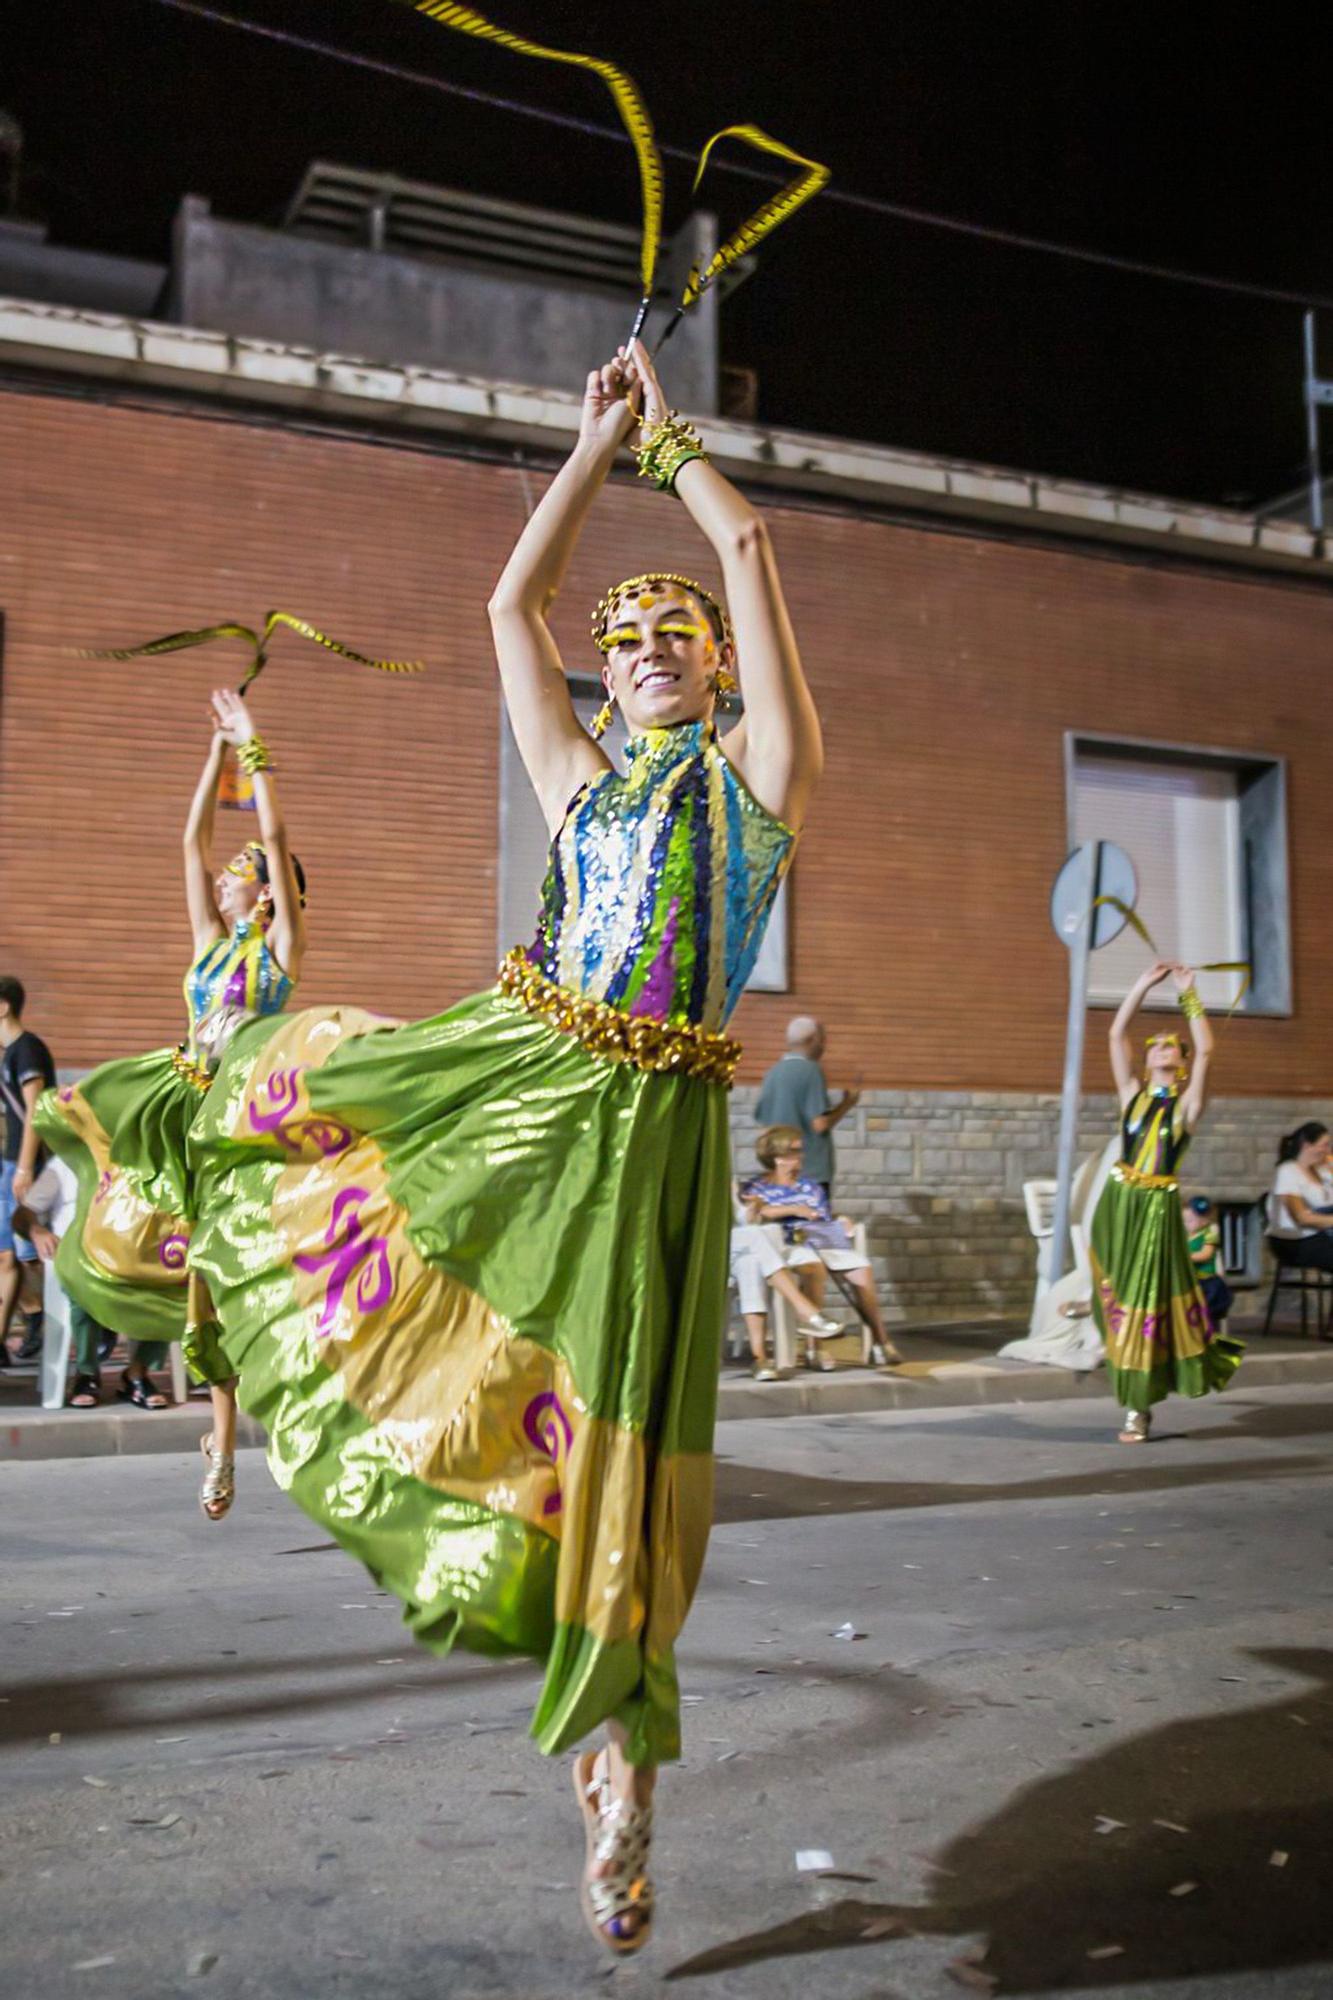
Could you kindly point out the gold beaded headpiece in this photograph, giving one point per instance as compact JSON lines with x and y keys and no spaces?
{"x":1154,"y":1041}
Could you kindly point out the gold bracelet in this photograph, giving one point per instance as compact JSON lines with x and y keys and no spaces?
{"x":1191,"y":1006}
{"x":253,"y":756}
{"x":666,"y":446}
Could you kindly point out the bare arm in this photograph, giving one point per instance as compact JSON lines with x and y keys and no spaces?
{"x":557,"y":752}
{"x":1122,"y":1055}
{"x":781,"y":753}
{"x":205,"y":922}
{"x":1201,"y":1034}
{"x":32,"y":1089}
{"x":826,"y":1120}
{"x":287,"y":937}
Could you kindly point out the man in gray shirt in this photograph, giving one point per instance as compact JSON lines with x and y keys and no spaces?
{"x":795,"y":1093}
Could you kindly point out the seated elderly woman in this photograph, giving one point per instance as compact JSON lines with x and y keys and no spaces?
{"x":758,"y":1265}
{"x":817,"y":1241}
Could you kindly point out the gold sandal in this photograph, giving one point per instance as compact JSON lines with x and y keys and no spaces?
{"x":219,"y":1485}
{"x":621,"y":1833}
{"x":1136,"y":1427}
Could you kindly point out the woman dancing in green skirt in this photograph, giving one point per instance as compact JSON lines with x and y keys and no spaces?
{"x":471,"y":1271}
{"x":125,"y":1127}
{"x":1149,"y":1305}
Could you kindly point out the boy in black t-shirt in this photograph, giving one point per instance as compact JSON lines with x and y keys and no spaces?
{"x":26,"y":1070}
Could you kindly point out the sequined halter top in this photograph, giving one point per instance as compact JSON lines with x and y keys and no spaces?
{"x":1153,"y":1139}
{"x":233,"y":980}
{"x":660,"y":882}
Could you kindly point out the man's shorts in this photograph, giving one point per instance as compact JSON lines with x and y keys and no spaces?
{"x":22,"y":1249}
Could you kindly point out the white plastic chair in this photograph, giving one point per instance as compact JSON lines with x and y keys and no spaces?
{"x":1039,"y":1204}
{"x":782,"y":1316}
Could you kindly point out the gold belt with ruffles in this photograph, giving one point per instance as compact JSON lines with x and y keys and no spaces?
{"x":605,"y":1031}
{"x":198,"y":1078}
{"x":1133,"y":1178}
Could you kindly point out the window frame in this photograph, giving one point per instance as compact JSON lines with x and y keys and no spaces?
{"x":1272,"y":993}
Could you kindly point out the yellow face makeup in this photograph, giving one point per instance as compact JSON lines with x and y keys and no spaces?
{"x":625,"y":633}
{"x":245,"y":865}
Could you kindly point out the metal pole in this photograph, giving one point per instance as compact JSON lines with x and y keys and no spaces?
{"x":1312,"y":429}
{"x":1080,"y":951}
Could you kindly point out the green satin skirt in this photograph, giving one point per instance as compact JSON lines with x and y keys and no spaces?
{"x":1149,"y":1307}
{"x":472,"y":1280}
{"x":124,"y":1131}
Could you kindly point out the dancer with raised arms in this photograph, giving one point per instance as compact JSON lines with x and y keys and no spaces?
{"x":125,"y":1127}
{"x":1149,"y":1304}
{"x":472,"y":1271}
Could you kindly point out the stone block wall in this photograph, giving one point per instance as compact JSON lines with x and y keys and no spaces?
{"x":937,"y":1176}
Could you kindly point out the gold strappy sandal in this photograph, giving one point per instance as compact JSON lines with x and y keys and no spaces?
{"x":219,"y":1484}
{"x":621,"y":1833}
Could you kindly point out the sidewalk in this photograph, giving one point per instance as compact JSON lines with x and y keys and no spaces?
{"x":944,"y":1366}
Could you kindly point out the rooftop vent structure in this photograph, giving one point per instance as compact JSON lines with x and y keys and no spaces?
{"x":385,"y":269}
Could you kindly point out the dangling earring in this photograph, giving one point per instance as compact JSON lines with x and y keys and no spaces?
{"x":725,"y":685}
{"x":601,"y":722}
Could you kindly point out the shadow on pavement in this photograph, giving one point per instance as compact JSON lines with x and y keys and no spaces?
{"x":1233,"y":1813}
{"x":101,"y":1704}
{"x":789,"y":1495}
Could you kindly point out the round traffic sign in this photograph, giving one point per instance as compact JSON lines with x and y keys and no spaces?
{"x":1071,"y":889}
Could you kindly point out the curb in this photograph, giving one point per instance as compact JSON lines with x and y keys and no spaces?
{"x":37,"y":1434}
{"x":959,"y":1383}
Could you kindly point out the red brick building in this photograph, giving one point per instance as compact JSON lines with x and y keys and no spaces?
{"x":956,"y":626}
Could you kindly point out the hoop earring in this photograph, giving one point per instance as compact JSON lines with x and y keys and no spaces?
{"x":601,"y":722}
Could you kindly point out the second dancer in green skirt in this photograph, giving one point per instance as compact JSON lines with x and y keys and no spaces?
{"x":1148,"y":1301}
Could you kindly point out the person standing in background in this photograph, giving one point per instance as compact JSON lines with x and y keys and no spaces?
{"x":26,"y":1070}
{"x":795,"y":1092}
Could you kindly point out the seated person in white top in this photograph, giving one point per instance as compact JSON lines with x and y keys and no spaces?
{"x":1300,"y":1219}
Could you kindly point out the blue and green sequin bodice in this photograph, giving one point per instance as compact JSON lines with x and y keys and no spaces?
{"x":660,"y":883}
{"x":233,"y":980}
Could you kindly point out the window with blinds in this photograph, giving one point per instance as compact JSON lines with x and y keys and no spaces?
{"x":1207,"y":836}
{"x":524,"y":840}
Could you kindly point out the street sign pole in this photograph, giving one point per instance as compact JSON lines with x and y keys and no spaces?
{"x":1087,"y":876}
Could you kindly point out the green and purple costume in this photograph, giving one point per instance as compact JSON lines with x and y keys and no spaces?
{"x":124,"y":1129}
{"x":1148,"y":1302}
{"x":471,"y":1271}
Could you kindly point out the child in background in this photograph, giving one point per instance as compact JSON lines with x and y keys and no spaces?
{"x":1205,"y":1244}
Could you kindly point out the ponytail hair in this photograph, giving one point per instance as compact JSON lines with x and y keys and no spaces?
{"x":1304,"y":1135}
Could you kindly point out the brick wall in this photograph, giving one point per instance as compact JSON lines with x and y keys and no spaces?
{"x":938,"y":1176}
{"x":946,"y":666}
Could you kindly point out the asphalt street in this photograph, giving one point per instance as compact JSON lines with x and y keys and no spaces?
{"x":1081,"y":1741}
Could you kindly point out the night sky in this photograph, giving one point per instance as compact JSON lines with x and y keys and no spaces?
{"x":1193,"y":135}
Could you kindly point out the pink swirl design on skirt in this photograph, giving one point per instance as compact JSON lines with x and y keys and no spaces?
{"x":282,"y":1088}
{"x":172,"y":1252}
{"x":547,"y":1426}
{"x":351,"y":1253}
{"x":104,"y":1181}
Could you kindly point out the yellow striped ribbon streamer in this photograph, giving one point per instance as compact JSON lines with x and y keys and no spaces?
{"x":633,"y":115}
{"x":177,"y":642}
{"x":1136,"y":923}
{"x":766,"y":218}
